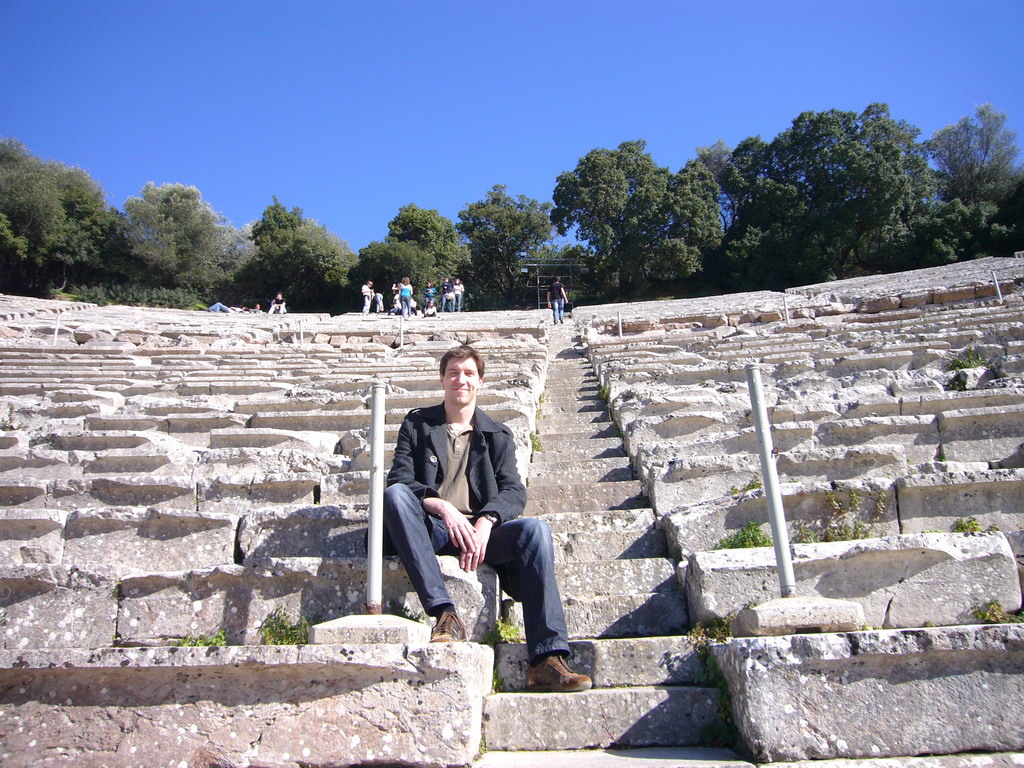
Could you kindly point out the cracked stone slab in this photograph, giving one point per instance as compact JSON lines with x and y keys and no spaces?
{"x":901,"y":581}
{"x":838,"y":696}
{"x":276,"y":707}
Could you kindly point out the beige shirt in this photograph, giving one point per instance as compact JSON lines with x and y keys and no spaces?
{"x":455,"y":487}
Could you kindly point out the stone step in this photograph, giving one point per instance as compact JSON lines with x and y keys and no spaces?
{"x":582,"y":546}
{"x":573,"y":497}
{"x":634,"y":615}
{"x":641,"y":757}
{"x":617,"y":577}
{"x":557,"y":449}
{"x":574,"y":422}
{"x":634,"y":521}
{"x":581,"y":470}
{"x":584,"y":407}
{"x":573,"y":433}
{"x":644,"y":716}
{"x":612,"y":663}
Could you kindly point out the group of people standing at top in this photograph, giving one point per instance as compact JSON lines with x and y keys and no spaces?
{"x":404,"y":302}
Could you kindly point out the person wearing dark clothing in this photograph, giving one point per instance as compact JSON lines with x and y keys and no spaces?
{"x":454,"y":489}
{"x":556,"y":300}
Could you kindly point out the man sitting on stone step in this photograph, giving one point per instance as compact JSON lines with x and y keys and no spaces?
{"x":454,"y":489}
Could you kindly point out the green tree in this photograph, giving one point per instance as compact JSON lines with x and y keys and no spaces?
{"x":388,"y":262}
{"x":976,"y":158}
{"x":836,"y":194}
{"x":501,"y":231}
{"x":183,"y":242}
{"x":298,"y":257}
{"x":434,"y":234}
{"x":56,"y":226}
{"x":643,"y":221}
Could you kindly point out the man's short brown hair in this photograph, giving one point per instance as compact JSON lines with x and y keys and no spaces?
{"x":460,"y":353}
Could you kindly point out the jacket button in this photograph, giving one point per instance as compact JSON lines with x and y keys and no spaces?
{"x":433,"y":459}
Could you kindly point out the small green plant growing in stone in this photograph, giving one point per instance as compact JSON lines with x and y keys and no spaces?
{"x":970,"y":358}
{"x":992,"y":612}
{"x":722,"y":732}
{"x":503,"y":631}
{"x":968,"y":525}
{"x":754,"y":484}
{"x":844,"y":521}
{"x":278,"y":629}
{"x":750,"y":535}
{"x":971,"y":525}
{"x":203,"y":641}
{"x":603,"y":393}
{"x":535,"y":442}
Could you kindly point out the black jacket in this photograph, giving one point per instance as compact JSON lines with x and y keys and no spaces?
{"x":421,"y":459}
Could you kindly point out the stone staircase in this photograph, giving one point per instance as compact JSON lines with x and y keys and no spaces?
{"x":624,"y":607}
{"x":166,"y":474}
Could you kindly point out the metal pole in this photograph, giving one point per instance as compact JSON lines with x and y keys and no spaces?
{"x":375,"y":543}
{"x":619,"y":315}
{"x":56,"y":329}
{"x":999,"y":291}
{"x":302,"y":336}
{"x":785,"y":306}
{"x":770,"y":475}
{"x":401,"y":331}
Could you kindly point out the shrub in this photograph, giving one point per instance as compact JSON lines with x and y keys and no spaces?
{"x":992,"y":613}
{"x":203,"y":641}
{"x":969,"y":358}
{"x":140,"y":296}
{"x":278,"y":629}
{"x":750,"y":535}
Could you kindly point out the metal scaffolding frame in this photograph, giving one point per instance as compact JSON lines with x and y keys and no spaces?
{"x":536,"y":278}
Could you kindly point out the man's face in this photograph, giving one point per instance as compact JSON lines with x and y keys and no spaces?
{"x":461,"y":382}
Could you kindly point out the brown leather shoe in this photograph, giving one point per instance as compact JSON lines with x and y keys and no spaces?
{"x":448,"y":629}
{"x":553,"y":674}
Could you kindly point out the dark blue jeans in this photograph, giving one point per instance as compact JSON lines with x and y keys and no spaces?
{"x":522,"y":547}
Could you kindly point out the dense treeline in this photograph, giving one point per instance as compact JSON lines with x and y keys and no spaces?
{"x":838,"y":194}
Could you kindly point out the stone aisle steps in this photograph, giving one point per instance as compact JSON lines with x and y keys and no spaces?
{"x":623,"y":604}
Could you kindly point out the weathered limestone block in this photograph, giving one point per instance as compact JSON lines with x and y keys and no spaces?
{"x":133,"y":540}
{"x":160,"y":607}
{"x":877,"y":461}
{"x":902,"y":581}
{"x":1016,"y":539}
{"x":54,"y":606}
{"x":878,"y":694}
{"x":172,"y":492}
{"x":959,"y":293}
{"x":881,"y":304}
{"x":277,"y":707}
{"x":700,"y":527}
{"x":937,"y":500}
{"x":634,"y":717}
{"x":346,"y":488}
{"x":982,"y":434}
{"x":308,"y":531}
{"x":32,"y":536}
{"x":240,"y":492}
{"x":686,"y":480}
{"x":22,"y":492}
{"x":918,"y":435}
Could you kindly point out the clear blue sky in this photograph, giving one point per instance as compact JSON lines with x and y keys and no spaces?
{"x":350,"y":110}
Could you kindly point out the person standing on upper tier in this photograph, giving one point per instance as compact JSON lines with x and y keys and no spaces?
{"x":556,"y":300}
{"x":405,"y":296}
{"x":458,"y":289}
